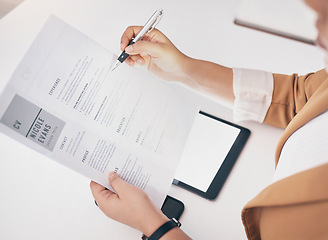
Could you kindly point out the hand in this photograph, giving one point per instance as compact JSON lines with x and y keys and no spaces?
{"x":130,"y":205}
{"x":156,"y":52}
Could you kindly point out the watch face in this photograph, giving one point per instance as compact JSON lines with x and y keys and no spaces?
{"x":172,"y":208}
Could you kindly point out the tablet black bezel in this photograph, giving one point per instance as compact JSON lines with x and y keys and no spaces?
{"x":225,"y":168}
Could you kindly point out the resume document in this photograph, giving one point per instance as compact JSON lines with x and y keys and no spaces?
{"x":64,"y":101}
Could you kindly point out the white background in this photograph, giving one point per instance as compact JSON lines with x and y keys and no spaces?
{"x":39,"y":199}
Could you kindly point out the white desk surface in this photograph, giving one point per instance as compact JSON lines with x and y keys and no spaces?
{"x":40,"y":199}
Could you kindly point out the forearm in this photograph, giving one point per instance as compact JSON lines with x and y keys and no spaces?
{"x":208,"y":77}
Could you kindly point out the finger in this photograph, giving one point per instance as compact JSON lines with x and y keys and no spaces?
{"x":99,"y":192}
{"x":120,"y":186}
{"x":96,"y":187}
{"x":153,"y":36}
{"x":128,"y":35}
{"x":137,"y":59}
{"x":145,"y":47}
{"x":129,"y":61}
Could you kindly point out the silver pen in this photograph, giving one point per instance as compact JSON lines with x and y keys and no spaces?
{"x":150,"y":25}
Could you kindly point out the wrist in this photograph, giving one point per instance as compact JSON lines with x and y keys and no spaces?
{"x":164,"y":231}
{"x":184,"y":63}
{"x":153,"y":223}
{"x":187,"y":67}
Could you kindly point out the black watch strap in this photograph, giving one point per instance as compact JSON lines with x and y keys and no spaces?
{"x":164,"y":229}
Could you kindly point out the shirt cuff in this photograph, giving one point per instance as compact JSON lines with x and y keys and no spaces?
{"x":253,"y":94}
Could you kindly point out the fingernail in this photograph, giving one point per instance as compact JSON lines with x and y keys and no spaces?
{"x":140,"y":61}
{"x":129,"y":49}
{"x":121,"y":45}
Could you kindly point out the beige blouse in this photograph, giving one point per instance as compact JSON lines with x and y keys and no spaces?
{"x":297,"y":206}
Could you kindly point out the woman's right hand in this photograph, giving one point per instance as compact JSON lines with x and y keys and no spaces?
{"x":156,"y":52}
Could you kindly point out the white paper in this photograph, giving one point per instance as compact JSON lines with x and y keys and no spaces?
{"x":65,"y":102}
{"x":209,"y":143}
{"x":306,"y":148}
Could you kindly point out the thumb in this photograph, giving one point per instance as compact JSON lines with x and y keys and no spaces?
{"x":120,"y":186}
{"x":100,"y":193}
{"x":145,"y":47}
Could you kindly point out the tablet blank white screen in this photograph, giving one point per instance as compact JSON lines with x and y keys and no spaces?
{"x":208,"y":144}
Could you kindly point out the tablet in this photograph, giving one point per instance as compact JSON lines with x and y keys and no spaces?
{"x":210,"y":153}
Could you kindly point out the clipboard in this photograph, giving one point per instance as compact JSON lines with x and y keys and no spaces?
{"x":205,"y":174}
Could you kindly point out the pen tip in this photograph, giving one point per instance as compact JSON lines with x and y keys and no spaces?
{"x":116,"y":65}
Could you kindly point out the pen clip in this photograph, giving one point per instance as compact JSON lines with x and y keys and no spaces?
{"x":158,"y":18}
